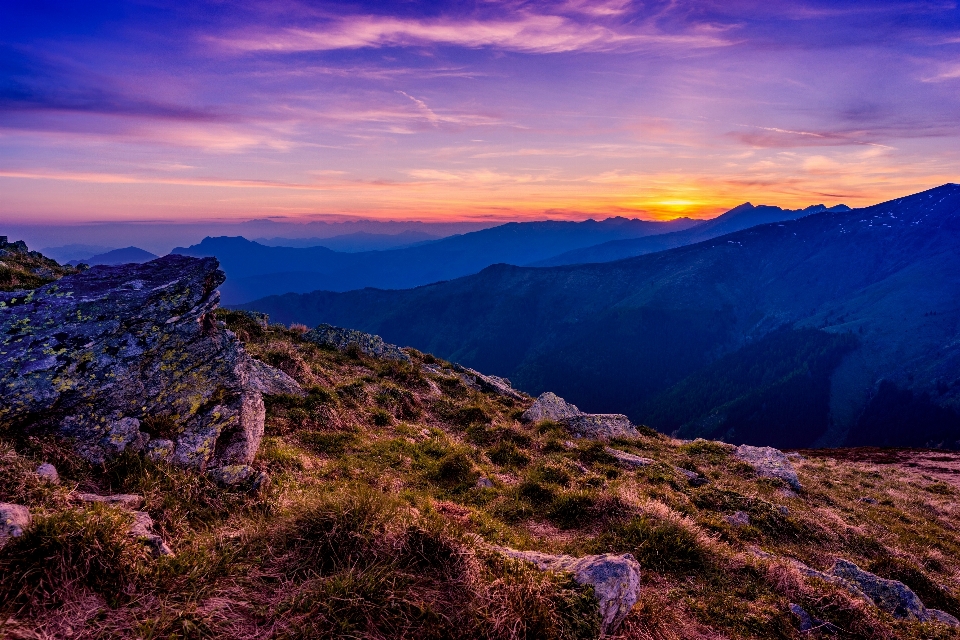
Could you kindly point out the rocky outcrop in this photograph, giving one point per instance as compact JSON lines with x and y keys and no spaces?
{"x":328,"y":335}
{"x":628,"y":459}
{"x":769,"y":463}
{"x":130,"y":358}
{"x":14,"y":520}
{"x":601,"y":426}
{"x":489,"y":384}
{"x":892,"y":596}
{"x":615,"y":579}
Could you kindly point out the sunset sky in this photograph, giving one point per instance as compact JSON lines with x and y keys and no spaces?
{"x":470,"y":110}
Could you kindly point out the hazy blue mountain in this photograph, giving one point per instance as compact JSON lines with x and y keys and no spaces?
{"x":742,"y":217}
{"x":254,"y":270}
{"x":355,"y":242}
{"x":69,"y":252}
{"x":836,"y":327}
{"x":126,"y":255}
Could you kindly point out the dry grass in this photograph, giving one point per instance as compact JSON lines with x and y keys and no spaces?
{"x":369,"y":529}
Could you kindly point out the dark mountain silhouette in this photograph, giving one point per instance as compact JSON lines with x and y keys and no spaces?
{"x":779,"y":334}
{"x":742,"y":217}
{"x":254,"y":270}
{"x":126,"y":255}
{"x":67,"y":252}
{"x":355,"y":242}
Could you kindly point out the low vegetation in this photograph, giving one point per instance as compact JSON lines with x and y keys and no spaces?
{"x":389,"y":484}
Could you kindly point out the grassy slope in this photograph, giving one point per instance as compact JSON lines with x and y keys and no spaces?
{"x":24,"y":269}
{"x":368,"y":529}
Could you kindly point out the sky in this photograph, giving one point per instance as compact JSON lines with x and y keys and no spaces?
{"x":470,"y":110}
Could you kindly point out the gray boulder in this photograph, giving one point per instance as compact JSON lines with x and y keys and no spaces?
{"x":892,"y":596}
{"x":550,"y":406}
{"x":769,"y":463}
{"x":615,"y":579}
{"x":600,"y":426}
{"x":48,"y":473}
{"x":325,"y":334}
{"x":96,"y":355}
{"x":14,"y":520}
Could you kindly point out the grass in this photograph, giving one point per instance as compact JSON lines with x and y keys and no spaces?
{"x":374,"y":521}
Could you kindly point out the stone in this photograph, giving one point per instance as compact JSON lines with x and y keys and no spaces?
{"x":628,"y":459}
{"x":142,"y":530}
{"x":484,"y":483}
{"x":615,"y":579}
{"x":892,"y":596}
{"x":942,"y":617}
{"x":600,"y":426}
{"x":95,"y":354}
{"x":48,"y":473}
{"x":550,"y":406}
{"x":14,"y":520}
{"x":737,"y":519}
{"x":489,"y":384}
{"x":804,"y":619}
{"x":239,"y":476}
{"x":769,"y":463}
{"x":123,"y":500}
{"x":340,"y":338}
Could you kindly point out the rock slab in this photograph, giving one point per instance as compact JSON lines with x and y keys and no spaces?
{"x":326,"y":334}
{"x":600,"y":426}
{"x":892,"y":596}
{"x":490,"y":384}
{"x":118,"y":357}
{"x":615,"y":579}
{"x":769,"y":463}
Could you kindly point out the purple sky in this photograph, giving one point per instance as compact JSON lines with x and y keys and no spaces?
{"x":470,"y":110}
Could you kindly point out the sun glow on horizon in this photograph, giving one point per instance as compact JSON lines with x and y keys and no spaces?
{"x":486,"y":113}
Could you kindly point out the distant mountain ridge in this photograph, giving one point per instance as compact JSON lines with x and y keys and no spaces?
{"x":127,"y":255}
{"x":254,"y":270}
{"x":356,"y":242}
{"x":741,"y":217}
{"x":815,"y":328}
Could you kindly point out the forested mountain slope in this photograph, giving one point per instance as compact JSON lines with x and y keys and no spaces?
{"x":882,"y":282}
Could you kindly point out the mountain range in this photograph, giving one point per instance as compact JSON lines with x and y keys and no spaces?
{"x":742,"y":217}
{"x":355,"y":242}
{"x":839,"y":327}
{"x":127,"y":255}
{"x":255,"y":270}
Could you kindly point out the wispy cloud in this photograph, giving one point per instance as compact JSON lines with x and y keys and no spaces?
{"x":530,"y":33}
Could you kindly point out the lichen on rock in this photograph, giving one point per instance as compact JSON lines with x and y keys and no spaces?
{"x":97,"y":356}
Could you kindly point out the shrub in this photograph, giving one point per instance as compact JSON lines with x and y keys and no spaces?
{"x":70,"y":550}
{"x":594,"y":452}
{"x":660,"y":545}
{"x":455,"y":468}
{"x":536,"y":493}
{"x":573,"y":509}
{"x":549,"y":473}
{"x":506,"y":454}
{"x":380,"y":418}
